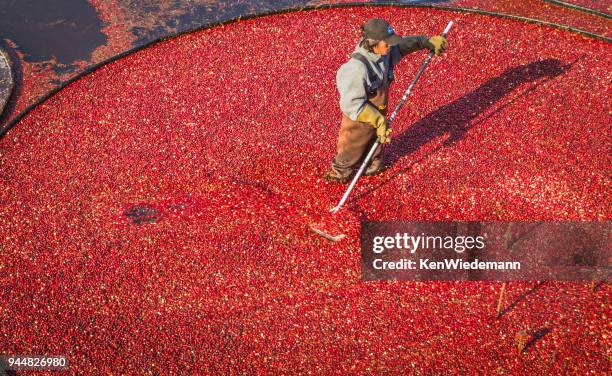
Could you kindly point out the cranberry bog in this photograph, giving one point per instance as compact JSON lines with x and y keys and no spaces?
{"x":155,"y":212}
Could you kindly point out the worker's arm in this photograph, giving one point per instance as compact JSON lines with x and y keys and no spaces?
{"x":351,"y":82}
{"x":436,"y":44}
{"x":411,"y":44}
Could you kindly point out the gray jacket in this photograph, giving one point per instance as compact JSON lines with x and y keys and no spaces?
{"x":352,"y":78}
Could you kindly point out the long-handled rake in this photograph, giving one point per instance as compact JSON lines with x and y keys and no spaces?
{"x":367,"y":159}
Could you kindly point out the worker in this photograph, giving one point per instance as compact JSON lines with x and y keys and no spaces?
{"x":363,"y":83}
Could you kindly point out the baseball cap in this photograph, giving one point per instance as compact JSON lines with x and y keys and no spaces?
{"x":379,"y":29}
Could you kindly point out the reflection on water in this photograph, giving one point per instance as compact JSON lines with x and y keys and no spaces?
{"x":176,"y":16}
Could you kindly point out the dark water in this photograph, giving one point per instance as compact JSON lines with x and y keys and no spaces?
{"x":68,"y":30}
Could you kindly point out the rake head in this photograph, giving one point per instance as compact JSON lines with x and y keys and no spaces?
{"x":327,"y":235}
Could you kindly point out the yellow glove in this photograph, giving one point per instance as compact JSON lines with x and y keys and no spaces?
{"x":438,"y":44}
{"x":372,"y":116}
{"x":383,"y":134}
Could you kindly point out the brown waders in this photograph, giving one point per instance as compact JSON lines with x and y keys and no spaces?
{"x":355,"y":140}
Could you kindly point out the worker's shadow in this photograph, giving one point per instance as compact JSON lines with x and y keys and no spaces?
{"x":457,"y":117}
